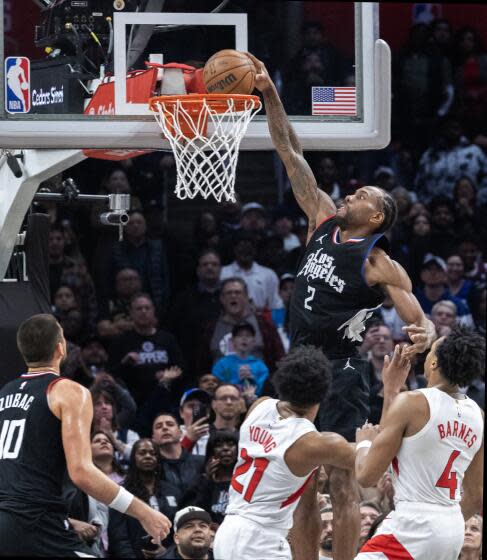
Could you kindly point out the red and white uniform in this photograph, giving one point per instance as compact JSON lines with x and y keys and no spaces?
{"x":263,"y":493}
{"x":427,"y":475}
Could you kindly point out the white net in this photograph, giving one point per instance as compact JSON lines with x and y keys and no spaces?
{"x":205,"y":138}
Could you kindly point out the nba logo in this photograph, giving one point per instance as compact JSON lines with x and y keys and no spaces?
{"x":17,"y":84}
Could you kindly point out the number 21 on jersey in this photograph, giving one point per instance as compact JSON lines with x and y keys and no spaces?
{"x":260,"y":464}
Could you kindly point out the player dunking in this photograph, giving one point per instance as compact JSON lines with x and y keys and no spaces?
{"x":434,"y":439}
{"x":340,"y":281}
{"x":279,"y":450}
{"x":45,"y":426}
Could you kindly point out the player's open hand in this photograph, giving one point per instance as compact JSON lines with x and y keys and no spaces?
{"x":262,"y":79}
{"x":421,"y":337}
{"x":396,"y":369}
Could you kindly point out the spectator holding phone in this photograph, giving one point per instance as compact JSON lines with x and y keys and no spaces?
{"x":242,"y":367}
{"x":194,"y":410}
{"x":210,"y":492}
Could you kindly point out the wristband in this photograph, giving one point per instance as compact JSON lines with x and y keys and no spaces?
{"x":366,"y":443}
{"x":122,"y":500}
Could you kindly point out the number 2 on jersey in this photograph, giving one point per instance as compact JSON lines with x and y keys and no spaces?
{"x":260,"y":466}
{"x":309,"y":299}
{"x":448,"y":479}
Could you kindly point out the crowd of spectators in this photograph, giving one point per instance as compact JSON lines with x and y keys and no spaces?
{"x":176,"y":340}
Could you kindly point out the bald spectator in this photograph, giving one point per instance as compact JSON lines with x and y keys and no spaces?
{"x":444,"y":316}
{"x":115,"y":319}
{"x":262,"y":282}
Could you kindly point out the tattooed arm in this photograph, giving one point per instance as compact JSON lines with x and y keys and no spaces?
{"x":315,"y":203}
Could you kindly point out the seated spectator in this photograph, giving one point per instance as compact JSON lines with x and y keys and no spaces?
{"x":192,"y":535}
{"x":385,"y":178}
{"x":195,"y":430}
{"x":262,"y":282}
{"x":58,"y":261}
{"x":145,"y":356}
{"x":433,"y":277}
{"x":280,"y":317}
{"x":103,"y":454}
{"x":271,"y":254}
{"x":449,"y":158}
{"x":444,"y":317}
{"x":226,"y":405}
{"x":194,"y":306}
{"x":147,"y":256}
{"x":458,"y":286}
{"x":127,"y":538}
{"x":282,"y":227}
{"x":206,"y":234}
{"x":115,"y":320}
{"x":378,"y":342}
{"x":67,"y":311}
{"x":467,"y":212}
{"x":208,"y":382}
{"x":210,"y":492}
{"x":443,"y":231}
{"x":242,"y":367}
{"x":215,"y":341}
{"x":326,"y":537}
{"x":472,"y":545}
{"x":369,"y":512}
{"x":178,"y":467}
{"x":470,"y":250}
{"x":104,"y":419}
{"x":253,"y":220}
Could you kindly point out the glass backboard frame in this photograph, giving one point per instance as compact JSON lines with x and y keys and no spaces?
{"x":369,"y":130}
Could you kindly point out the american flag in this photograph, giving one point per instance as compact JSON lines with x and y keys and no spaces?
{"x":333,"y":101}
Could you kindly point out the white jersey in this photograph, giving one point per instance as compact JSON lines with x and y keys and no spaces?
{"x":263,"y":489}
{"x":431,"y":464}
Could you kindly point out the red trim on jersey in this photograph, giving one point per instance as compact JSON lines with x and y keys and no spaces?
{"x":28,"y":375}
{"x":48,"y":388}
{"x":299,"y":492}
{"x":325,"y":220}
{"x":351,"y":240}
{"x":395,"y":465}
{"x":388,"y":545}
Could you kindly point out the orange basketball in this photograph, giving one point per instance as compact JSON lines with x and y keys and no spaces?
{"x":229,"y":71}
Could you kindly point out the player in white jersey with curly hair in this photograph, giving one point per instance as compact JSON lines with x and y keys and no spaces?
{"x":433,"y":440}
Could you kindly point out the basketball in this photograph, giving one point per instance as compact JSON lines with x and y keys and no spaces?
{"x":229,"y":71}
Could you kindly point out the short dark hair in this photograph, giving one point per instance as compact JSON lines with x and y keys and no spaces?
{"x":239,"y":327}
{"x":389,"y":209}
{"x":37,"y":338}
{"x":217,"y":437}
{"x":461,"y":355}
{"x":139,"y":295}
{"x":303,"y":377}
{"x":208,"y":251}
{"x":240,"y":281}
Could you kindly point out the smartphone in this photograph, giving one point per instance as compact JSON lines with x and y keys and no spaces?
{"x":147,"y":543}
{"x":200,"y":410}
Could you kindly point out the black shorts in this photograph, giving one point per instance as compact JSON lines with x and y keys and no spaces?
{"x":347,"y":406}
{"x":39,"y":533}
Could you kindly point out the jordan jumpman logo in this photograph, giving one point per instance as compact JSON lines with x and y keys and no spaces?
{"x":348,"y":365}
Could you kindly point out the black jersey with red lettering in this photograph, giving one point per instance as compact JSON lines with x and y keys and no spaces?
{"x":331,"y":300}
{"x":32,"y":460}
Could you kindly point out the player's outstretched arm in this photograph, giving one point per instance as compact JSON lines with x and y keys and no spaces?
{"x":371,"y":463}
{"x":72,"y":405}
{"x":391,"y":276}
{"x":473,"y":486}
{"x":315,"y":203}
{"x":304,"y":536}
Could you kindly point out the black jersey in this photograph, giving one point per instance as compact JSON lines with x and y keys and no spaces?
{"x":32,"y":461}
{"x":331,"y":300}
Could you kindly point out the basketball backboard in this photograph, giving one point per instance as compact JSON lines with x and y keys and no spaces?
{"x":53,"y":57}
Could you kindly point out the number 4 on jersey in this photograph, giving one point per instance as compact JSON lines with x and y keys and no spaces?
{"x":448,"y":479}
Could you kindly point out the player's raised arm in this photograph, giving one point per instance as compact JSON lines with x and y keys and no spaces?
{"x":391,"y":276}
{"x":315,"y":203}
{"x":72,"y":404}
